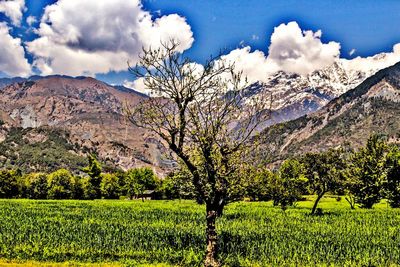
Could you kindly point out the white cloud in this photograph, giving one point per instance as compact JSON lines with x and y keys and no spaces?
{"x":111,"y":33}
{"x":300,"y":51}
{"x":254,"y":65}
{"x":13,"y":9}
{"x":291,"y":50}
{"x":376,"y":62}
{"x":352,"y":51}
{"x":137,"y":85}
{"x":255,"y":37}
{"x":30,"y":20}
{"x":12,"y":54}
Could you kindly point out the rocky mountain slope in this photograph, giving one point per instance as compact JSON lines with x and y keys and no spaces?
{"x":295,"y":95}
{"x":89,"y":114}
{"x":372,"y":106}
{"x":90,"y":111}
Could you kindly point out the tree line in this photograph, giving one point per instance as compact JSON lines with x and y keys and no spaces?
{"x":363,"y":177}
{"x":92,"y":184}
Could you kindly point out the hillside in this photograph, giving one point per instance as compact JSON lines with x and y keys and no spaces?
{"x":372,"y":106}
{"x":90,"y":111}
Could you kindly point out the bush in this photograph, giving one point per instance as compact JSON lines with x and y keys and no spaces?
{"x":61,"y":184}
{"x":109,"y":186}
{"x":138,"y":180}
{"x":179,"y":185}
{"x":93,"y":170}
{"x":88,"y":191}
{"x":35,"y":186}
{"x":9,"y":183}
{"x":288,"y":185}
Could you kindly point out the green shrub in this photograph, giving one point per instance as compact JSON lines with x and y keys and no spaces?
{"x":109,"y":186}
{"x":35,"y":186}
{"x":138,"y":180}
{"x":87,"y":189}
{"x":93,"y":170}
{"x":9,"y":183}
{"x":367,"y":172}
{"x":60,"y":184}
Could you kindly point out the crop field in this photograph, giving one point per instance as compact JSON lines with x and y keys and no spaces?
{"x":171,"y":233}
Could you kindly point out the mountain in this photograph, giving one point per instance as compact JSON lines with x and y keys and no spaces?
{"x":89,"y":111}
{"x":88,"y":117}
{"x":7,"y":81}
{"x":295,"y":95}
{"x":372,"y":106}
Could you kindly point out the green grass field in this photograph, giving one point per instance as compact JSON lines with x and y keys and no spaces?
{"x":164,"y":233}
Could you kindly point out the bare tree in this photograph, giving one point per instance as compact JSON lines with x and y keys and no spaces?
{"x":200,"y":112}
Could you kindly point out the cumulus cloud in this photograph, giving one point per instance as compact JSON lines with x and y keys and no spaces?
{"x":112,"y":33}
{"x":13,"y":9}
{"x":12,"y":54}
{"x":254,"y":65}
{"x":300,"y":51}
{"x":291,"y":50}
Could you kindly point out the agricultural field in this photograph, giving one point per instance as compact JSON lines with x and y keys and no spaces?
{"x":171,"y":233}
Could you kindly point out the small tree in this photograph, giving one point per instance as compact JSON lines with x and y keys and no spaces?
{"x":35,"y":186}
{"x":93,"y":170}
{"x":392,"y":186}
{"x":110,"y":186}
{"x":325,"y":172}
{"x":60,"y":184}
{"x":289,"y":183}
{"x":367,"y":172}
{"x":178,"y":184}
{"x":200,"y":112}
{"x":138,"y":180}
{"x":254,"y":183}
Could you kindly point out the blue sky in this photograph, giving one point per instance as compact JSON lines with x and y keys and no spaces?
{"x":368,"y":26}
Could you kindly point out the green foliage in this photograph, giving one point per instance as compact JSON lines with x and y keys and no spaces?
{"x":288,"y":184}
{"x":178,"y":185}
{"x":325,"y":171}
{"x":9,"y":183}
{"x":94,"y":171}
{"x":51,"y":154}
{"x":110,"y":186}
{"x":393,"y":177}
{"x":60,"y":184}
{"x":257,"y":184}
{"x":35,"y":186}
{"x":87,"y":189}
{"x":135,"y":233}
{"x":138,"y":180}
{"x":367,"y":172}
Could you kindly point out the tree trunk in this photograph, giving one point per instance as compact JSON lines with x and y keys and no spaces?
{"x":351,"y":201}
{"x":212,"y":240}
{"x":316,"y":202}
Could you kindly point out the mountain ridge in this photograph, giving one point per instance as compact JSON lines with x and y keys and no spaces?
{"x":351,"y":117}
